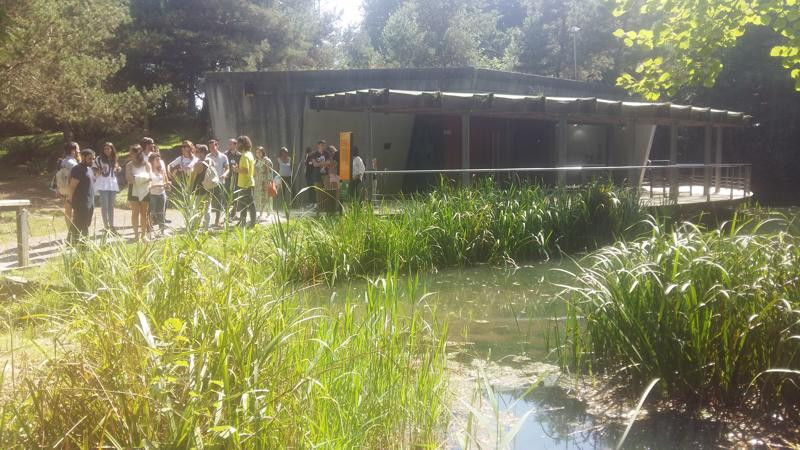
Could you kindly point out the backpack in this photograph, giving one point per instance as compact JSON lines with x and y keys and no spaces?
{"x":62,"y":181}
{"x":210,"y":179}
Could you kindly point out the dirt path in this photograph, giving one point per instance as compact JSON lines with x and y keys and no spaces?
{"x":48,"y":228}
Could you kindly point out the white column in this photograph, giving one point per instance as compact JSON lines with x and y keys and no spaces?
{"x":674,"y":186}
{"x":718,"y":160}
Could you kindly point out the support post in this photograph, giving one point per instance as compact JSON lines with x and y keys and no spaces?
{"x":371,"y":185}
{"x":674,"y":185}
{"x":718,"y":161}
{"x":22,"y":237}
{"x":707,"y":164}
{"x":465,"y":157}
{"x":561,"y":150}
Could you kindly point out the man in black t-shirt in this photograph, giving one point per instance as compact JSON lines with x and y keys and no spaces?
{"x":81,"y":196}
{"x":309,"y":172}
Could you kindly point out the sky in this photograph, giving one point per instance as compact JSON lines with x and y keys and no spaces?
{"x":350,"y":11}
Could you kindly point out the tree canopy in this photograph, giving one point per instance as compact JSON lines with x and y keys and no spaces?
{"x":685,"y":40}
{"x":55,"y":65}
{"x":175,"y":42}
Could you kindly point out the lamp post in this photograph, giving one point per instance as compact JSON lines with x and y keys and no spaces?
{"x":574,"y":30}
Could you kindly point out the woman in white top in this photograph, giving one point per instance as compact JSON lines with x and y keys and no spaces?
{"x":158,"y":191}
{"x":137,"y":173}
{"x":263,"y":175}
{"x":356,"y":192}
{"x":284,"y":179}
{"x":105,"y":172}
{"x":181,"y":167}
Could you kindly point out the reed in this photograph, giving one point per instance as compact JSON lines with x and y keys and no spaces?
{"x":454,"y":226}
{"x":715,"y":314}
{"x":191,"y":345}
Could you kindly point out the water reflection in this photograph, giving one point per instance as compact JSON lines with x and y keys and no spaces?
{"x":561,"y":422}
{"x":502,"y":315}
{"x":490,"y":311}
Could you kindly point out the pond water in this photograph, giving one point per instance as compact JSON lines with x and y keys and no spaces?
{"x":498,"y":321}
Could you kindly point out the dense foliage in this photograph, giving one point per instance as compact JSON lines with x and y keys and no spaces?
{"x":193,"y":345}
{"x":686,"y":39}
{"x":715,"y":315}
{"x":175,"y":42}
{"x":454,"y":227}
{"x":55,"y":66}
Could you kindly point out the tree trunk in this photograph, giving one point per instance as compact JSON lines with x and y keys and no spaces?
{"x":191,"y":108}
{"x":66,"y":129}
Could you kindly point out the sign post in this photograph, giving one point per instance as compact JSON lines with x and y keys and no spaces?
{"x":345,"y":140}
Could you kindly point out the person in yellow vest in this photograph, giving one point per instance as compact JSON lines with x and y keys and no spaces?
{"x":245,"y":181}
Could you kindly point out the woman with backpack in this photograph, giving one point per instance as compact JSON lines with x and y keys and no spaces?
{"x":61,"y":180}
{"x":137,"y":172}
{"x":105,"y":171}
{"x":202,"y":181}
{"x":158,"y":191}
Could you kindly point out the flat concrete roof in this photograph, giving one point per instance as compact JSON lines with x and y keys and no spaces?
{"x":446,"y":79}
{"x":575,"y":109}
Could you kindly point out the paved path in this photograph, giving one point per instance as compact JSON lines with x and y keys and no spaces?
{"x":43,"y":248}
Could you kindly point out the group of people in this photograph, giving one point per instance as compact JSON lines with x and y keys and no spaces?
{"x":322,"y":171}
{"x":239,"y":182}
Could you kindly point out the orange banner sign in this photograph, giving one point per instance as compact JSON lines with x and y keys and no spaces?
{"x":345,"y":139}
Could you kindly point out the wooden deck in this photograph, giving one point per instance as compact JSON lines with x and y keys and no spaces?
{"x":693,"y":195}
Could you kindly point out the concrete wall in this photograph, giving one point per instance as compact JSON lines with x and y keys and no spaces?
{"x":392,"y":135}
{"x":630,"y":146}
{"x":586,"y":145}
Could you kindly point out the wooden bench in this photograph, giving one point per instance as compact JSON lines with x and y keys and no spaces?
{"x":21,"y":207}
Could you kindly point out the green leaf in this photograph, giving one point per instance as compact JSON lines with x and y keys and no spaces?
{"x":628,"y":42}
{"x":777,"y":50}
{"x":618,"y":33}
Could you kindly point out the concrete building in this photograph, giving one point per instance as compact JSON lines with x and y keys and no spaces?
{"x":448,"y":118}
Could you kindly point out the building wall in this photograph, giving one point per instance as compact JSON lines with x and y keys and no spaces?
{"x":630,"y":146}
{"x":273,"y":107}
{"x":392,"y":136}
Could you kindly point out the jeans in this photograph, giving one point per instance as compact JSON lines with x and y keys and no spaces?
{"x":81,"y":220}
{"x":245,"y":203}
{"x":355,"y":190}
{"x":107,"y":208}
{"x":157,"y":203}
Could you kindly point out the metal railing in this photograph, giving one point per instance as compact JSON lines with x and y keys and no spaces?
{"x":664,"y":182}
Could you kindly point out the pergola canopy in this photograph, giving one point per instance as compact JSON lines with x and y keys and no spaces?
{"x":579,"y":110}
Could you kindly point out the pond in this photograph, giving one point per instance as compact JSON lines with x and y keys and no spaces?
{"x":498,"y":320}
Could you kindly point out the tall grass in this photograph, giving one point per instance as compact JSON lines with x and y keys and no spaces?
{"x":454,"y":227}
{"x":714,"y":314}
{"x":170,"y":346}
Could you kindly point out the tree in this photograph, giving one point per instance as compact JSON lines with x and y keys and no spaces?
{"x":545,"y":40}
{"x":55,"y":66}
{"x":687,"y":39}
{"x":446,"y":33}
{"x":175,"y":41}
